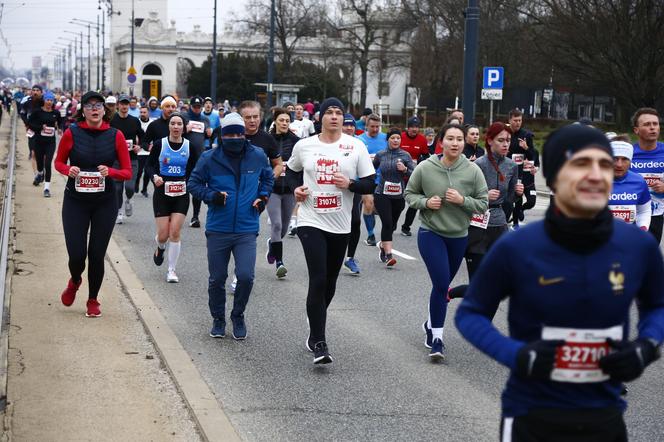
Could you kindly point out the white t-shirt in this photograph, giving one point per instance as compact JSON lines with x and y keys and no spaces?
{"x":328,"y":207}
{"x":303,"y":128}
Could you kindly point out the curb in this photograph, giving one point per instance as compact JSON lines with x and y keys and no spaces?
{"x":210,"y":417}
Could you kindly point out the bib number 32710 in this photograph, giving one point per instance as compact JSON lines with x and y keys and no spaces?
{"x":578,"y":360}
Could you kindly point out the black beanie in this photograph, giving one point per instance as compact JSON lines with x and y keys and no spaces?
{"x":561,"y":144}
{"x":393,"y":131}
{"x":330,"y":102}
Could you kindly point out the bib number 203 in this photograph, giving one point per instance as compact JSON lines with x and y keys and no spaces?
{"x":175,"y":170}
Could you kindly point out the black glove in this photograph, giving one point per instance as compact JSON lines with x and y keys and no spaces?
{"x":260,"y":206}
{"x":630,"y":358}
{"x":535,"y":359}
{"x":219,"y":199}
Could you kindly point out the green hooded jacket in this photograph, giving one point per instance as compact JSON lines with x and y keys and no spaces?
{"x":432,"y":177}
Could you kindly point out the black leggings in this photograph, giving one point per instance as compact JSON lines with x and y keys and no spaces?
{"x":196,"y":203}
{"x":142,"y":159}
{"x":410,"y":217}
{"x":520,"y":206}
{"x":656,"y":224}
{"x":355,"y":225}
{"x":324,"y":253}
{"x":99,"y":217}
{"x":389,"y":210}
{"x":44,"y":157}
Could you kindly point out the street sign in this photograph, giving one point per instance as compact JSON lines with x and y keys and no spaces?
{"x":492,"y":94}
{"x":131,"y":70}
{"x":131,"y":78}
{"x":493,"y":78}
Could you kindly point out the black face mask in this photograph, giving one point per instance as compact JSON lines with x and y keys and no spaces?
{"x":582,"y":236}
{"x":233,"y":146}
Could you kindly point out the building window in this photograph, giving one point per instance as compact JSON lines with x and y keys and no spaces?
{"x":152,"y":69}
{"x":384,"y":89}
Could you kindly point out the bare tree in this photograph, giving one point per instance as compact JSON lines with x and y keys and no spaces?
{"x":294,"y":19}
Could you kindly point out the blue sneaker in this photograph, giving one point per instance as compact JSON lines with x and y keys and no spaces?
{"x":437,"y":352}
{"x":218,"y":328}
{"x":352,"y":266}
{"x":429,"y":336}
{"x":239,"y":329}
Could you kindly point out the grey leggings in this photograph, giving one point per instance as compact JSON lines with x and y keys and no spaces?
{"x":280,"y":209}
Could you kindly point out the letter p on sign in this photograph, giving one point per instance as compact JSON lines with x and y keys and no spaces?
{"x":493,"y":78}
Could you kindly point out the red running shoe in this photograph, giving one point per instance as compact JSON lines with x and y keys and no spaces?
{"x":69,"y":294}
{"x":93,"y":309}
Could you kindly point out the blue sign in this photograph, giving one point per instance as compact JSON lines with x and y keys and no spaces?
{"x":494,"y":78}
{"x":131,"y":78}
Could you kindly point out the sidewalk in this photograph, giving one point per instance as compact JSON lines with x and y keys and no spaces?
{"x":73,"y":378}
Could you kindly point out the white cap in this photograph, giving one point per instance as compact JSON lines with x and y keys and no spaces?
{"x":111,"y":100}
{"x":622,"y":149}
{"x":611,"y":135}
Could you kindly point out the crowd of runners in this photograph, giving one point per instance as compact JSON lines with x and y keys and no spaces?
{"x":319,"y":173}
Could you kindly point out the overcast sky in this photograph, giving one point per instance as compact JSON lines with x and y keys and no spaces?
{"x":31,"y":26}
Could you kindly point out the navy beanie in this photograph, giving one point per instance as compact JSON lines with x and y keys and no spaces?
{"x":330,"y":102}
{"x":565,"y":142}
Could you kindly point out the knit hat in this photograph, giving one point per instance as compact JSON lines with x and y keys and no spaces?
{"x":168,"y":99}
{"x":153,"y":99}
{"x":565,"y":142}
{"x":367,"y":111}
{"x":413,"y":122}
{"x":349,"y":120}
{"x":49,"y":96}
{"x":232,"y":124}
{"x":330,"y":102}
{"x":429,"y":131}
{"x":622,"y":149}
{"x":393,"y":131}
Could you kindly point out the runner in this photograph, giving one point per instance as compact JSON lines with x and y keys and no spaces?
{"x":214,"y":119}
{"x":44,"y":123}
{"x":501,"y":175}
{"x":393,"y":167}
{"x":375,"y":141}
{"x":235,"y":181}
{"x":143,"y":155}
{"x":301,"y":126}
{"x":361,"y":124}
{"x":523,"y":153}
{"x":111,"y":104}
{"x":91,"y":146}
{"x":170,"y":162}
{"x":282,"y":201}
{"x":630,"y":196}
{"x":472,"y":149}
{"x":568,"y":349}
{"x":133,"y":132}
{"x":648,"y":161}
{"x":416,"y":145}
{"x":355,"y":220}
{"x":198,"y":133}
{"x":447,"y":189}
{"x":325,"y":191}
{"x":154,"y":112}
{"x":31,"y":104}
{"x":430,"y":135}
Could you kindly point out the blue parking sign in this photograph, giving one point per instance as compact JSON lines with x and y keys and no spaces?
{"x":493,"y":78}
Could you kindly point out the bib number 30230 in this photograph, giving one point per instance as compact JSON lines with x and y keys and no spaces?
{"x":578,"y":360}
{"x":89,"y":182}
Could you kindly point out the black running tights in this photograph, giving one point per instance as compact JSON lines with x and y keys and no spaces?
{"x":355,"y":225}
{"x":44,"y":157}
{"x":324,"y":253}
{"x":78,"y":217}
{"x":389,"y":210}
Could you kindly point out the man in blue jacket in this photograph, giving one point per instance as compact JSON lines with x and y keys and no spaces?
{"x":568,"y":347}
{"x":235,"y":181}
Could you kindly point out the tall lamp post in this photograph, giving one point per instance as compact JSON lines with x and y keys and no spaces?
{"x":470,"y":44}
{"x":97,"y":27}
{"x":86,"y":25}
{"x":80,"y":55}
{"x":213,"y":67}
{"x":270,"y":58}
{"x":72,"y":72}
{"x":109,"y":11}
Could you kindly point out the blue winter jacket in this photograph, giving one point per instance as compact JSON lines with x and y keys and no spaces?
{"x":213,"y":173}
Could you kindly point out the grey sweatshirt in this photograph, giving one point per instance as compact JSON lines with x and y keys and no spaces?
{"x":510,"y":170}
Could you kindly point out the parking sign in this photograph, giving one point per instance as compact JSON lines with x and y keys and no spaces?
{"x":493,"y":78}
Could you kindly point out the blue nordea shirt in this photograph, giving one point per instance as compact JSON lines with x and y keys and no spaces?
{"x":628,"y":192}
{"x":650,"y":165}
{"x":560,"y":288}
{"x":375,"y":144}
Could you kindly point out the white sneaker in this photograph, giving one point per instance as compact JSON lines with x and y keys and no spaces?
{"x":171,"y":276}
{"x":128,"y":209}
{"x":234,"y":284}
{"x":119,"y":219}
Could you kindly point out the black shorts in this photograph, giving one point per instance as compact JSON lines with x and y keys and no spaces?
{"x":163,"y":205}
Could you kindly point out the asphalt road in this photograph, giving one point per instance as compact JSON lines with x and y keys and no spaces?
{"x":380,"y":387}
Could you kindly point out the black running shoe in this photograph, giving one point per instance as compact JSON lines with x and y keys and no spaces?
{"x":370,"y":241}
{"x":158,"y":256}
{"x":195,"y":223}
{"x":321,"y":355}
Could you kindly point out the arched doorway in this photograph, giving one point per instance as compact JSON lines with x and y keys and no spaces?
{"x":151,"y":80}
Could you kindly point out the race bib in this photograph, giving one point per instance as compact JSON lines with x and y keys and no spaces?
{"x":89,"y":182}
{"x":130,"y":144}
{"x":480,"y":220}
{"x":578,"y":360}
{"x":392,"y":188}
{"x":48,"y":131}
{"x":197,"y":126}
{"x":29,"y":133}
{"x":533,"y":193}
{"x":175,"y":188}
{"x":327,"y":202}
{"x":625,"y":213}
{"x":517,"y":158}
{"x":651,"y":178}
{"x":528,"y":165}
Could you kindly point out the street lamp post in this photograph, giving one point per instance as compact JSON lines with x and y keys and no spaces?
{"x":470,"y":59}
{"x":213,"y":67}
{"x":86,"y":24}
{"x":109,"y":11}
{"x":270,"y":58}
{"x":73,"y":81}
{"x":133,"y":25}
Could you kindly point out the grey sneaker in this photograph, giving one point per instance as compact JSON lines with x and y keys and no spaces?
{"x":128,"y":209}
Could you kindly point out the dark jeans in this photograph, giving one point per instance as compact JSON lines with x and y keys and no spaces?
{"x":656,"y":224}
{"x":219,"y":249}
{"x":77,"y":217}
{"x":324,"y":253}
{"x":389,"y":210}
